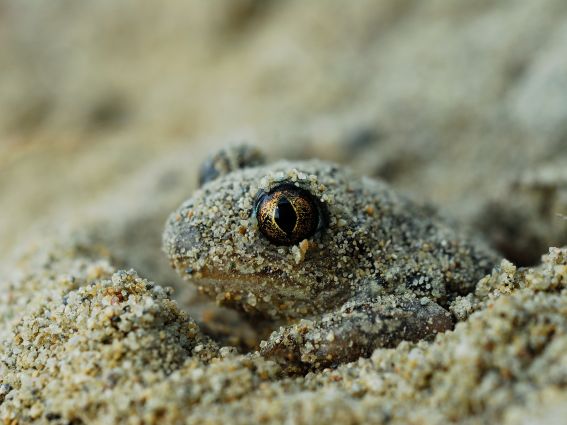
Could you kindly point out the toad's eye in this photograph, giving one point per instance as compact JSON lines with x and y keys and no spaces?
{"x":287,"y":214}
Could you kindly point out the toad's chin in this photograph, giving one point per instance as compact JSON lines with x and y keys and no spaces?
{"x":259,"y":294}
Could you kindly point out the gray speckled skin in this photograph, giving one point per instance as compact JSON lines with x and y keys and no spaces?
{"x":383,"y":270}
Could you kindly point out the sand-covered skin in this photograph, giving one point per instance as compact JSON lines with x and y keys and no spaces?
{"x":105,"y":346}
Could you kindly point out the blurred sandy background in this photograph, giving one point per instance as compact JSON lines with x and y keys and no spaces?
{"x":107,"y":108}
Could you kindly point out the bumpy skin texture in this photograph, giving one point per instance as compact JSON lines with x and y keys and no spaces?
{"x":382,"y":270}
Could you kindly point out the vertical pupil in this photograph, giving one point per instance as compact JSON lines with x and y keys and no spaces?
{"x":285,"y":216}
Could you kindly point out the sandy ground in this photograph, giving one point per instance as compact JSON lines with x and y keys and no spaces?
{"x":106,"y":113}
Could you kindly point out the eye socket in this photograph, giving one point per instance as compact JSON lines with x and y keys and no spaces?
{"x":288,"y":214}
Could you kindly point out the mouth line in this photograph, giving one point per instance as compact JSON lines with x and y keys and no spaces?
{"x":265,"y":291}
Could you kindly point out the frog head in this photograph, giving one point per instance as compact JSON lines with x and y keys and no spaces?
{"x":284,"y":240}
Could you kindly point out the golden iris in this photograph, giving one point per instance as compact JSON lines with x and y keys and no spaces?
{"x":287,"y":214}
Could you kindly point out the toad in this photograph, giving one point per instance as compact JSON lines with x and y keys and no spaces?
{"x":345,"y":264}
